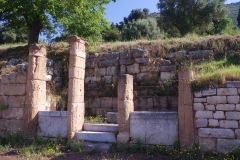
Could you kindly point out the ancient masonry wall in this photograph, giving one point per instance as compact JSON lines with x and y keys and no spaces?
{"x":217,"y":117}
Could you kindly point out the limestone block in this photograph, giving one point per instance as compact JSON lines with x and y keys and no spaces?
{"x":75,"y":61}
{"x":36,"y":92}
{"x":198,"y":106}
{"x":219,"y":115}
{"x":125,"y":55}
{"x":91,"y":63}
{"x":237,"y":133}
{"x":6,"y":79}
{"x":92,"y":80}
{"x":145,"y":102}
{"x":233,"y":99}
{"x":21,"y":77}
{"x":108,"y":79}
{"x":146,"y":126}
{"x":94,"y":103}
{"x":177,"y":55}
{"x":228,"y":124}
{"x":142,"y":60}
{"x":12,"y":125}
{"x":110,"y":56}
{"x":233,"y":115}
{"x":225,"y":107}
{"x":216,"y":99}
{"x":204,"y":114}
{"x":215,"y":132}
{"x":139,"y":53}
{"x":123,"y":69}
{"x":124,"y":110}
{"x":113,"y":70}
{"x":227,"y":145}
{"x":75,"y":72}
{"x":143,"y":76}
{"x":15,"y":89}
{"x":237,"y":107}
{"x":37,"y":50}
{"x":209,"y":92}
{"x":125,"y":87}
{"x":48,"y":78}
{"x":133,"y":69}
{"x":123,"y":138}
{"x":164,"y":62}
{"x":213,"y":123}
{"x":111,"y":117}
{"x":210,"y":107}
{"x":167,"y":68}
{"x":4,"y":100}
{"x":233,"y":84}
{"x":115,"y":102}
{"x":2,"y":89}
{"x":89,"y":72}
{"x":100,"y":71}
{"x":106,"y":102}
{"x":167,"y":75}
{"x":207,"y":144}
{"x":75,"y":91}
{"x":149,"y":69}
{"x":58,"y":123}
{"x":108,"y":63}
{"x":126,"y":61}
{"x":201,"y":123}
{"x":200,"y":100}
{"x":36,"y":68}
{"x":198,"y":94}
{"x":16,"y":101}
{"x":227,"y":91}
{"x":201,"y":54}
{"x":12,"y":113}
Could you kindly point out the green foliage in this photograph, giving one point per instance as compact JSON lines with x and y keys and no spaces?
{"x":233,"y":12}
{"x":75,"y":146}
{"x":142,"y":28}
{"x":4,"y":107}
{"x":112,"y":35}
{"x":94,"y":119}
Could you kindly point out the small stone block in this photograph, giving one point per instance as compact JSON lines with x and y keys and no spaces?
{"x":123,"y":138}
{"x":227,"y":91}
{"x":213,"y":123}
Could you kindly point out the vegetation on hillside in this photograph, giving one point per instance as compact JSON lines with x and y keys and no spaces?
{"x":233,"y":12}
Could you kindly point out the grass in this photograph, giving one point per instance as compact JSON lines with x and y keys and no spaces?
{"x":95,"y":119}
{"x":9,"y":45}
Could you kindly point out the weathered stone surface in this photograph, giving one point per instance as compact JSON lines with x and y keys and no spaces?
{"x":143,"y":76}
{"x":146,"y":126}
{"x":14,"y":62}
{"x":123,"y":138}
{"x":210,"y":107}
{"x":15,"y":89}
{"x":124,"y":55}
{"x":233,"y":84}
{"x":209,"y":92}
{"x":12,"y":113}
{"x":228,"y":124}
{"x":77,"y":73}
{"x":113,"y":70}
{"x":233,"y":115}
{"x":108,"y":63}
{"x":122,"y":69}
{"x":92,"y":80}
{"x":16,"y":101}
{"x":198,"y":106}
{"x":22,"y":67}
{"x":111,"y":117}
{"x":149,"y":69}
{"x":91,"y":63}
{"x":167,"y":75}
{"x":227,"y":91}
{"x":37,"y":50}
{"x":36,"y":68}
{"x":198,"y":94}
{"x":108,"y":79}
{"x":204,"y":114}
{"x":49,"y":70}
{"x":100,"y":71}
{"x":207,"y":144}
{"x":106,"y":102}
{"x":215,"y":132}
{"x":225,"y":107}
{"x":139,"y":53}
{"x":75,"y":91}
{"x":233,"y":99}
{"x":201,"y":54}
{"x":56,"y":119}
{"x":94,"y":103}
{"x":237,"y":133}
{"x":2,"y":89}
{"x":213,"y":123}
{"x":200,"y":100}
{"x":227,"y":145}
{"x":35,"y":92}
{"x":219,"y":115}
{"x":8,"y":78}
{"x":133,"y":69}
{"x":163,"y":62}
{"x":9,"y":126}
{"x":75,"y":61}
{"x":201,"y":123}
{"x":21,"y":77}
{"x":167,"y":68}
{"x":145,"y":102}
{"x":142,"y":60}
{"x":216,"y":99}
{"x":110,"y":56}
{"x":237,"y":107}
{"x":125,"y":87}
{"x":126,"y":61}
{"x":177,"y":55}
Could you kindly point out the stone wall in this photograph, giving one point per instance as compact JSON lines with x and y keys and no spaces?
{"x":13,"y":95}
{"x":217,"y":117}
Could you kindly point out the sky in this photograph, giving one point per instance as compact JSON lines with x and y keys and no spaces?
{"x":115,"y":12}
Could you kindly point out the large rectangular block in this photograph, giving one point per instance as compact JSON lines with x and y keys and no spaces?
{"x":75,"y":91}
{"x":201,"y":123}
{"x":233,"y":99}
{"x":9,"y":78}
{"x":15,"y":89}
{"x":58,"y":124}
{"x":133,"y":69}
{"x":219,"y":115}
{"x":216,"y":99}
{"x":233,"y":84}
{"x":207,"y":144}
{"x":225,"y":107}
{"x":227,"y":145}
{"x":112,"y":70}
{"x":227,"y":91}
{"x":106,"y":102}
{"x":76,"y":72}
{"x":36,"y":68}
{"x":200,"y":100}
{"x":233,"y":115}
{"x":209,"y":92}
{"x":13,"y":113}
{"x":215,"y":132}
{"x":100,"y":71}
{"x":36,"y":92}
{"x":154,"y":127}
{"x":204,"y":114}
{"x":21,"y":77}
{"x":145,"y":102}
{"x":228,"y":124}
{"x":16,"y":101}
{"x":2,"y":89}
{"x":4,"y":100}
{"x":9,"y":126}
{"x":76,"y":61}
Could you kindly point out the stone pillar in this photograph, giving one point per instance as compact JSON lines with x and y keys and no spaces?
{"x":35,"y":88}
{"x":125,"y":107}
{"x":185,"y":109}
{"x":76,"y":75}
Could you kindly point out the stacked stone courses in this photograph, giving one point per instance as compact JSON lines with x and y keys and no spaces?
{"x":217,"y":117}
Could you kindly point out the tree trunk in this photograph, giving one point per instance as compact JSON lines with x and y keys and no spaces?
{"x":34,"y":30}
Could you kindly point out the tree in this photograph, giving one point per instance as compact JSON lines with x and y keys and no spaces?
{"x":81,"y":17}
{"x":238,"y":17}
{"x":178,"y":17}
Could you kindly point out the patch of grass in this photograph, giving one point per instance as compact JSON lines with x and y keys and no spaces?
{"x":94,"y":119}
{"x":9,"y":45}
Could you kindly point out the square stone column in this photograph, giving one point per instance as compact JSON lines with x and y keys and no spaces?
{"x":35,"y":88}
{"x":76,"y":76}
{"x":125,"y":107}
{"x":185,"y":110}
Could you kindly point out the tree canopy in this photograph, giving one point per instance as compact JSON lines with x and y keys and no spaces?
{"x":81,"y":17}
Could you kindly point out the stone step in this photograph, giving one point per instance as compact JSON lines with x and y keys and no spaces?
{"x":96,"y":147}
{"x":111,"y":117}
{"x":108,"y":137}
{"x":100,"y":127}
